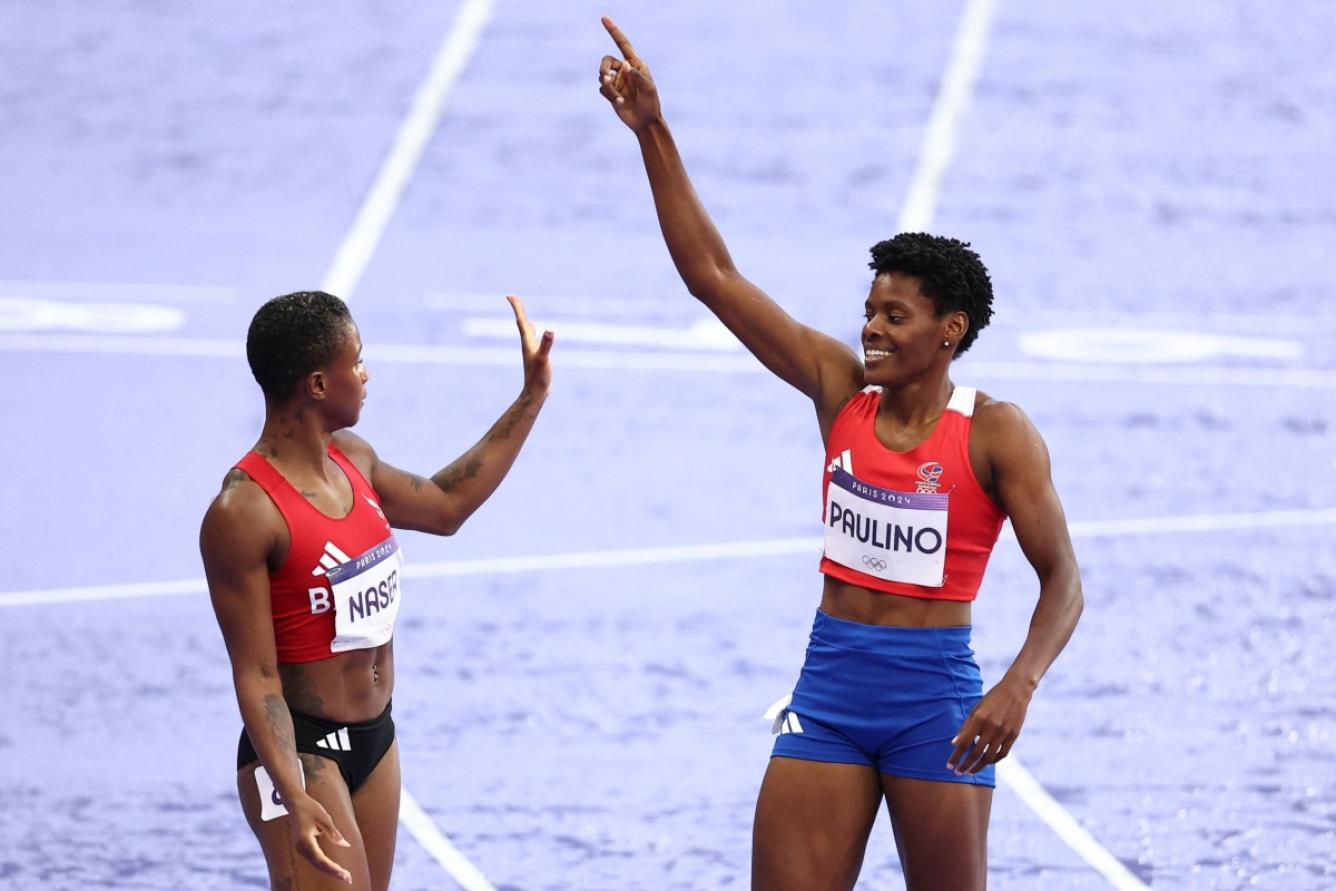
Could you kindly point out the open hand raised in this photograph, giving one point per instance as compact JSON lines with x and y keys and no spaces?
{"x":535,"y":350}
{"x":626,"y":83}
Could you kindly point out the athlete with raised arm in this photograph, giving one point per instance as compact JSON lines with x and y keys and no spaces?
{"x":304,"y":574}
{"x":919,"y":476}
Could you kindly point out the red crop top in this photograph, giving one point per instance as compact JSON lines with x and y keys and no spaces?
{"x":914,"y":523}
{"x":338,"y":589}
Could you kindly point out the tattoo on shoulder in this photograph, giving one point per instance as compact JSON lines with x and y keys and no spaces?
{"x":235,"y":477}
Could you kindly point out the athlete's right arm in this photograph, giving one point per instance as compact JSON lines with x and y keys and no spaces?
{"x":236,"y":539}
{"x":824,"y":369}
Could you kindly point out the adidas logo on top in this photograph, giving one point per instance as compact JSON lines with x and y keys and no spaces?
{"x":845,"y":462}
{"x":331,"y":558}
{"x":336,"y":740}
{"x":376,"y":507}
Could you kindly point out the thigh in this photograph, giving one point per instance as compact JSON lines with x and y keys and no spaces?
{"x":376,"y":804}
{"x":287,"y":868}
{"x":812,"y":824}
{"x":941,"y":831}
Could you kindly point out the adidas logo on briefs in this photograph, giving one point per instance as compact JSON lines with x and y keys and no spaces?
{"x":791,"y":724}
{"x":845,"y":462}
{"x":337,"y":740}
{"x":331,"y":558}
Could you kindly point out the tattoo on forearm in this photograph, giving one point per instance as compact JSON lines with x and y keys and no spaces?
{"x":506,"y":426}
{"x":454,"y":475}
{"x":279,"y":719}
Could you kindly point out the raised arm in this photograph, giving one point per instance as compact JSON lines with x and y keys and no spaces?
{"x":819,"y":366}
{"x":236,"y":539}
{"x":442,"y":503}
{"x":1022,"y":481}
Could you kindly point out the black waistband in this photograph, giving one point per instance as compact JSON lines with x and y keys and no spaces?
{"x":327,"y":724}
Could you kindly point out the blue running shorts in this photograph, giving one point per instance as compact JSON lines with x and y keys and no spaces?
{"x":885,"y":696}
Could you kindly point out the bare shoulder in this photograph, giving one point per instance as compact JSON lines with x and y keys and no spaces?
{"x":997,"y":417}
{"x":240,"y":517}
{"x":358,"y":450}
{"x":1005,"y":434}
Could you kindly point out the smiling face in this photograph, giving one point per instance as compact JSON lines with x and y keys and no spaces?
{"x":903,"y":337}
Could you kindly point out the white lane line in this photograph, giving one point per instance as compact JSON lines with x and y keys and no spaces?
{"x":345,"y":273}
{"x":116,"y":292}
{"x":425,"y":830}
{"x":1169,"y":375}
{"x":706,"y":334}
{"x":731,"y":550}
{"x":1060,"y":820}
{"x":953,"y":97}
{"x":358,"y":246}
{"x":981,"y":371}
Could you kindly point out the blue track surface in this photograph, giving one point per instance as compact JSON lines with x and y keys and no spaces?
{"x":1136,"y":175}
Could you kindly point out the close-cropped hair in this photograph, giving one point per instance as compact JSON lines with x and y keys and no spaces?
{"x":292,"y":336}
{"x":949,"y":273}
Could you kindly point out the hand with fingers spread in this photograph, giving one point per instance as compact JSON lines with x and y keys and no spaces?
{"x":626,"y":83}
{"x":537,"y":367}
{"x":308,"y":821}
{"x":991,"y":728}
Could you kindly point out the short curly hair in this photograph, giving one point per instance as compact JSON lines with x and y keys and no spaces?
{"x":949,"y":273}
{"x":292,"y":336}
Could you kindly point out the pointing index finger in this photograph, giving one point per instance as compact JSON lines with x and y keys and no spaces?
{"x":628,"y":51}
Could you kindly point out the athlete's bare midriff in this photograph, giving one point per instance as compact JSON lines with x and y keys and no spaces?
{"x":855,"y":603}
{"x":350,"y":687}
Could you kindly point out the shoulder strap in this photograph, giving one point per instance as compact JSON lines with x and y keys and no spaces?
{"x":359,"y":482}
{"x":962,"y":401}
{"x":260,"y":470}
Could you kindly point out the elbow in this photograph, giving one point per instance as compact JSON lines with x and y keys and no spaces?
{"x":1076,"y":600}
{"x":707,"y":281}
{"x":446,"y":523}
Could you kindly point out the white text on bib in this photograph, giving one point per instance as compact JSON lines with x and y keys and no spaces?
{"x":366,"y":597}
{"x":896,"y":536}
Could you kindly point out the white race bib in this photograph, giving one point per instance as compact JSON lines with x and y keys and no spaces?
{"x":271,"y":803}
{"x":896,"y":536}
{"x":366,"y":597}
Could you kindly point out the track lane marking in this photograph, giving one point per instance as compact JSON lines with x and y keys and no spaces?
{"x":1116,"y":528}
{"x":359,"y":244}
{"x":420,"y":825}
{"x":1061,"y":821}
{"x":438,"y":845}
{"x":953,"y":99}
{"x":345,"y":273}
{"x":711,"y":363}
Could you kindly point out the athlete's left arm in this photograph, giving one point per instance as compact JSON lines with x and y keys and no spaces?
{"x":442,"y":503}
{"x":1022,"y":483}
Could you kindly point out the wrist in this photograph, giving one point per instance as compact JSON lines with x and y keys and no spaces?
{"x":1021,"y":681}
{"x":651,"y":129}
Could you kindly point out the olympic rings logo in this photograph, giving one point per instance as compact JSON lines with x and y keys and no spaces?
{"x":874,"y":562}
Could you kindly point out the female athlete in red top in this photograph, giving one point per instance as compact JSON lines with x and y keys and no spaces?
{"x":928,"y":299}
{"x":303,"y":572}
